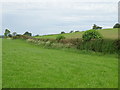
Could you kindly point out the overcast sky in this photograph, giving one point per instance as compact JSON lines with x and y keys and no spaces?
{"x":53,"y":16}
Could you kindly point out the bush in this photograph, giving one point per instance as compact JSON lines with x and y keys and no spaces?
{"x":48,"y":44}
{"x":58,"y":38}
{"x":15,"y":37}
{"x":91,"y":35}
{"x":103,"y":46}
{"x":98,"y":45}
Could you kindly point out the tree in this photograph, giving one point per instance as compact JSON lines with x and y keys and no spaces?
{"x":76,"y":31}
{"x":117,"y":25}
{"x":62,"y":32}
{"x":27,"y":34}
{"x":7,"y":32}
{"x":14,"y":34}
{"x":96,"y":27}
{"x":36,"y":35}
{"x":71,"y":31}
{"x":10,"y":35}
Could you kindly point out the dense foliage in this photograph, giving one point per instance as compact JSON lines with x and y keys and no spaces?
{"x":60,"y":38}
{"x":91,"y":34}
{"x":103,"y":46}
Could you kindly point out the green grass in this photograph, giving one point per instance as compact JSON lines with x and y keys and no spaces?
{"x":28,"y":66}
{"x":107,"y":34}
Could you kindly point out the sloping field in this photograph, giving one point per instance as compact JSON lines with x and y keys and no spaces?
{"x":106,"y":33}
{"x":29,"y":66}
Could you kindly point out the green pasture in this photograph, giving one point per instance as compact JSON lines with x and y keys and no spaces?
{"x":106,"y":33}
{"x":29,"y":66}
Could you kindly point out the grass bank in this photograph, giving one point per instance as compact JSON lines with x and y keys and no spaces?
{"x":99,"y":45}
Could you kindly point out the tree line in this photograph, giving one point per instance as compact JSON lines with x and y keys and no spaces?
{"x":9,"y":34}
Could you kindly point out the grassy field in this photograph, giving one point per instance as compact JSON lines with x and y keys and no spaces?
{"x":28,"y":66}
{"x":107,"y":34}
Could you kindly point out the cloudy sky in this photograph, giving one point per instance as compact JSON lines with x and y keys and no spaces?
{"x":53,"y":16}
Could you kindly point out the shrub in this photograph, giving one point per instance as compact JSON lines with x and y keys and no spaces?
{"x":104,"y":46}
{"x":48,"y":44}
{"x":15,"y":37}
{"x":91,"y":34}
{"x":58,"y":38}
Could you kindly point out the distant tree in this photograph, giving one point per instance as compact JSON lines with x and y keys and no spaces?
{"x":10,"y":35}
{"x":76,"y":31}
{"x":36,"y":35}
{"x":27,"y":34}
{"x":18,"y":35}
{"x":96,"y":27}
{"x":7,"y":32}
{"x":99,"y":28}
{"x":14,"y":34}
{"x":71,"y":31}
{"x":117,"y":25}
{"x":62,"y":32}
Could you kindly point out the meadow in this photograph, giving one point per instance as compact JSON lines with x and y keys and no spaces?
{"x":111,"y":33}
{"x":26,"y":65}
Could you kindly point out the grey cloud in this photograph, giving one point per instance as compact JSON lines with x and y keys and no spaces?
{"x":54,"y":17}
